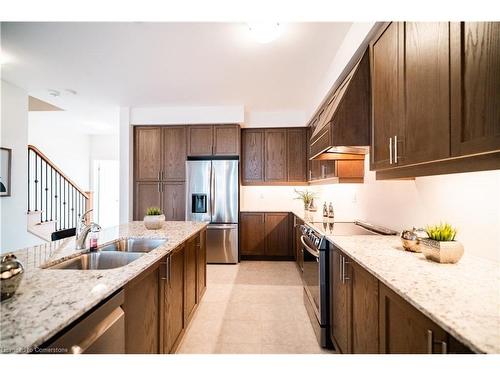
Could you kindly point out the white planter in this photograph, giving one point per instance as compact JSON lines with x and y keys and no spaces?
{"x":154,"y":221}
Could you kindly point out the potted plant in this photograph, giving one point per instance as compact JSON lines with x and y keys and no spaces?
{"x":154,"y":218}
{"x":306,"y":196}
{"x":441,"y":245}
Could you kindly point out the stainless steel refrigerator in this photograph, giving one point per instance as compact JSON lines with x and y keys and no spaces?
{"x":212,"y":195}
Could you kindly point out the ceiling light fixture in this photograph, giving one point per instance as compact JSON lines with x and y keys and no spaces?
{"x":265,"y":32}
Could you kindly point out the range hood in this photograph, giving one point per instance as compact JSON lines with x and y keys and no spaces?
{"x":341,"y":127}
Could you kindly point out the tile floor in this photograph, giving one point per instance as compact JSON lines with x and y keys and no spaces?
{"x":249,"y":308}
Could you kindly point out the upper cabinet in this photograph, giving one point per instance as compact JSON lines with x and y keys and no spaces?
{"x":148,"y":153}
{"x":214,"y":140}
{"x":274,"y":156}
{"x":475,"y":87}
{"x":435,"y":89}
{"x":160,"y":153}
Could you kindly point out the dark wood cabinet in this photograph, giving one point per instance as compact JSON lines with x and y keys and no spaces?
{"x":201,"y":264}
{"x":174,"y":301}
{"x":174,"y":153}
{"x":405,"y":330}
{"x":266,"y":235}
{"x":277,"y":232}
{"x":218,"y":140}
{"x":296,"y":150}
{"x":191,"y":285}
{"x":424,"y":60}
{"x":147,"y":194}
{"x":386,"y":95}
{"x":299,"y":258}
{"x":142,"y":313}
{"x":275,"y":151}
{"x":252,"y":237}
{"x":341,"y":303}
{"x":173,"y":200}
{"x":475,"y":83}
{"x":252,"y":156}
{"x":274,"y":156}
{"x":364,"y":299}
{"x":148,"y":153}
{"x":200,"y":140}
{"x":434,"y":94}
{"x":226,"y":140}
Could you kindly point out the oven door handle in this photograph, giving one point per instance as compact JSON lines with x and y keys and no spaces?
{"x":315,"y":253}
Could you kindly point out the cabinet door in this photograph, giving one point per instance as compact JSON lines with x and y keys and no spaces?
{"x":200,"y":140}
{"x":226,"y":140}
{"x":277,"y":232}
{"x":252,"y":233}
{"x":174,"y":153}
{"x":350,"y":169}
{"x":386,"y":95}
{"x":364,"y":311}
{"x":147,"y":153}
{"x":174,"y":301}
{"x":275,"y":166}
{"x":404,"y":329}
{"x":174,"y":197}
{"x":296,"y":155}
{"x":191,"y":285}
{"x":252,"y":156}
{"x":201,"y":275}
{"x":298,"y":244}
{"x":340,"y":304}
{"x":147,"y":194}
{"x":425,"y":61}
{"x":141,"y":308}
{"x":475,"y":82}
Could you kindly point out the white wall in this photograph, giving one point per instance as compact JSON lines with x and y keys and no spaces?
{"x":187,"y":115}
{"x":68,"y":149}
{"x":14,"y":135}
{"x":469,"y":201}
{"x":126,"y":171}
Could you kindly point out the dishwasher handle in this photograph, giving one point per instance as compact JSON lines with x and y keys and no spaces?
{"x":309,"y":249}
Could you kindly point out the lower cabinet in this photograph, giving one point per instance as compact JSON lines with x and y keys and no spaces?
{"x":405,"y":330}
{"x":266,"y":235}
{"x":299,"y":259}
{"x":159,"y":303}
{"x":142,"y":310}
{"x":367,"y":317}
{"x":174,"y":299}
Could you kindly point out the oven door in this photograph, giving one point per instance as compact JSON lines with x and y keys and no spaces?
{"x":311,"y":275}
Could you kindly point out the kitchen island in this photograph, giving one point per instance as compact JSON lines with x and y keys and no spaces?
{"x":48,"y":300}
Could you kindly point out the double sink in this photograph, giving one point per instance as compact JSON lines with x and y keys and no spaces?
{"x":116,"y":254}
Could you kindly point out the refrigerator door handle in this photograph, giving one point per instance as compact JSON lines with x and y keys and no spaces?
{"x":212,"y":192}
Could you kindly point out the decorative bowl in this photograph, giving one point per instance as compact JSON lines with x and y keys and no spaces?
{"x":11,"y":274}
{"x":442,"y":251}
{"x":154,"y":221}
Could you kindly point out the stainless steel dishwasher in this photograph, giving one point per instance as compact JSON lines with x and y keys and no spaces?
{"x":102,"y":331}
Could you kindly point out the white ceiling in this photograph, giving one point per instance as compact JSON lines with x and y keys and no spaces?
{"x":170,"y":64}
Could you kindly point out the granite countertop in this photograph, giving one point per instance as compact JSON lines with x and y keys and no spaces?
{"x":49,"y":300}
{"x":463,"y":298}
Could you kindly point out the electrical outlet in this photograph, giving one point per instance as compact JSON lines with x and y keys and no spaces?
{"x":354,"y":198}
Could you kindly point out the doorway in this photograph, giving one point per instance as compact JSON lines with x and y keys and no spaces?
{"x":106,"y":178}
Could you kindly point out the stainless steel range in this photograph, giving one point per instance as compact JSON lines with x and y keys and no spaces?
{"x":316,"y":255}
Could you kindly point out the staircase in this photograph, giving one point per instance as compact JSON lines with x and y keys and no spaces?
{"x":55,"y":202}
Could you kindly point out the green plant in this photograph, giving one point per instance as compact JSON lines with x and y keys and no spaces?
{"x":305,"y":195}
{"x":153,"y":211}
{"x":441,"y":232}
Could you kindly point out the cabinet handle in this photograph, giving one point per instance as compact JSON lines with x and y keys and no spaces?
{"x":430,"y":344}
{"x":344,"y":278}
{"x":159,"y":187}
{"x":169,"y":259}
{"x":340,"y":267}
{"x":310,"y":174}
{"x":166,"y":269}
{"x":390,"y":150}
{"x":395,"y":149}
{"x":159,"y":175}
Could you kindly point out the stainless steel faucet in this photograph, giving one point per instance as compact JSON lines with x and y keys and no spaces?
{"x":82,"y":230}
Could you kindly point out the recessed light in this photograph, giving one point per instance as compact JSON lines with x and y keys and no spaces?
{"x":265,"y":32}
{"x":54,"y":93}
{"x":70,"y":91}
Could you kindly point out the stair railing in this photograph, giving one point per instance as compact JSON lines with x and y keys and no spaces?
{"x":53,"y":193}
